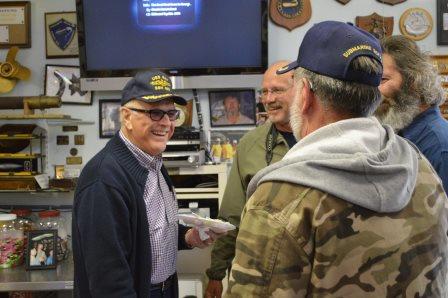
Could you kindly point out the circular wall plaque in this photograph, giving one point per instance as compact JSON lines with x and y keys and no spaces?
{"x":416,"y":23}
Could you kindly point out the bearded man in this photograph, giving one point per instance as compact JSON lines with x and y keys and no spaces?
{"x":411,"y":96}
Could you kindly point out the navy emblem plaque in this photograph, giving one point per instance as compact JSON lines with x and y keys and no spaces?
{"x":62,"y":33}
{"x":290,"y":13}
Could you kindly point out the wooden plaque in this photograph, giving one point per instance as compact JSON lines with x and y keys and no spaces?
{"x":290,"y":14}
{"x":376,"y":24}
{"x":391,"y":2}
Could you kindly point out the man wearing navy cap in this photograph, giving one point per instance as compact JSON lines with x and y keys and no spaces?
{"x":125,"y":227}
{"x":352,"y":210}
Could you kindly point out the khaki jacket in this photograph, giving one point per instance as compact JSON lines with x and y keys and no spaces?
{"x":248,"y":160}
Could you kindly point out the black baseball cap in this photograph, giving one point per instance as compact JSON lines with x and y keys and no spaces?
{"x":329,"y":47}
{"x":150,"y":86}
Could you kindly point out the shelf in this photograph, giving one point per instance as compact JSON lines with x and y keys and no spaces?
{"x":20,"y":156}
{"x":48,"y":119}
{"x":20,"y":137}
{"x":18,"y":279}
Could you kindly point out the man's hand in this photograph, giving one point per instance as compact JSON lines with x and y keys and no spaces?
{"x":193,"y":239}
{"x":214,"y":289}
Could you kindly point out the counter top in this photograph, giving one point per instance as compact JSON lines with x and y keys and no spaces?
{"x":18,"y":279}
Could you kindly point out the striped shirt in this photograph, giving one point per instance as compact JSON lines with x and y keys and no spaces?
{"x":161,"y":209}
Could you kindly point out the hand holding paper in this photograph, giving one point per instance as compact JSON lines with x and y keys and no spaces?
{"x":203,"y":224}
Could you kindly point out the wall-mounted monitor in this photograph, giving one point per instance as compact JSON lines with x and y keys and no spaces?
{"x":179,"y":37}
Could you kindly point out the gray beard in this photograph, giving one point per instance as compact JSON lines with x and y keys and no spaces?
{"x":295,"y":119}
{"x":401,"y":113}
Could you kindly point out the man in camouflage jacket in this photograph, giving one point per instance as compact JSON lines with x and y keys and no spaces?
{"x":352,"y":210}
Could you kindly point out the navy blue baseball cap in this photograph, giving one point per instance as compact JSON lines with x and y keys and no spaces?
{"x":150,"y":86}
{"x":329,"y":47}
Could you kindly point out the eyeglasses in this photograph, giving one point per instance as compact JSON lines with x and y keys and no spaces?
{"x":157,"y":115}
{"x":274,"y":91}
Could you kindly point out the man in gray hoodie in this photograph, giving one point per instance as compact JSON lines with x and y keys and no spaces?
{"x":352,"y":210}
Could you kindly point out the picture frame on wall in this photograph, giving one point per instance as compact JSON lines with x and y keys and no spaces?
{"x":442,"y":22}
{"x":61,"y":35}
{"x":232,"y":108}
{"x":15,"y":24}
{"x":41,"y":249}
{"x":109,"y":117}
{"x":64,"y":81}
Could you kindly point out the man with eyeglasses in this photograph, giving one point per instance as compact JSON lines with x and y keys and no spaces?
{"x":259,"y":148}
{"x":125,"y":226}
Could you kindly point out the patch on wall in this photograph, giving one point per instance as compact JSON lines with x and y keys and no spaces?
{"x":290,"y":14}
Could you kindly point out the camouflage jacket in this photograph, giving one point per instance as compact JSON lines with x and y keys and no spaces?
{"x":296,"y":241}
{"x":249,"y":159}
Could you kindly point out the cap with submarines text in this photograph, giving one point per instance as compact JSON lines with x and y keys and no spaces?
{"x":329,"y":47}
{"x":150,"y":86}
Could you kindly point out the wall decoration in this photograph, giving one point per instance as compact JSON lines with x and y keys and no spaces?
{"x":109,"y":117}
{"x":59,"y":171}
{"x":442,"y":22}
{"x":416,"y":23}
{"x":441,"y":63}
{"x":41,"y":249}
{"x":79,"y":139}
{"x":62,"y":140}
{"x":64,"y":81}
{"x":186,"y":114}
{"x":73,"y":151}
{"x":73,"y":160}
{"x":232,"y":107}
{"x":290,"y":13}
{"x":343,"y":1}
{"x":70,"y":128}
{"x":15,"y":24}
{"x":376,"y":24}
{"x":61,"y":37}
{"x":391,"y":2}
{"x":12,"y":71}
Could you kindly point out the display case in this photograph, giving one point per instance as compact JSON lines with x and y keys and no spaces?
{"x":22,"y":156}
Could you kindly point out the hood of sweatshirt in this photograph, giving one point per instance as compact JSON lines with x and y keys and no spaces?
{"x":357,"y":160}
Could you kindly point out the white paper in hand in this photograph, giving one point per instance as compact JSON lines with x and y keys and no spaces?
{"x":216,"y":225}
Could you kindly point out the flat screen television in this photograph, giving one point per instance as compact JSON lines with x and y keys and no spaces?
{"x":180,"y":37}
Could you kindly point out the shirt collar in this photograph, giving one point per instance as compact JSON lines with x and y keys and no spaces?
{"x":414,"y":130}
{"x":146,"y":160}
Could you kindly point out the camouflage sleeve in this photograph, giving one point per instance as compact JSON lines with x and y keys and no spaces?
{"x":231,"y":207}
{"x":267,"y":254}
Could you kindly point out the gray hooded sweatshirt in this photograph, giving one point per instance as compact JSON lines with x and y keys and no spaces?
{"x":357,"y":160}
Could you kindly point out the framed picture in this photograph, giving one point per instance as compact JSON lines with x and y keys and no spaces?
{"x":109,"y":117}
{"x":15,"y":24}
{"x":233,"y":136}
{"x":441,"y":62}
{"x":61,"y":35}
{"x":64,"y":81}
{"x":41,"y":249}
{"x":442,"y":22}
{"x":232,"y":107}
